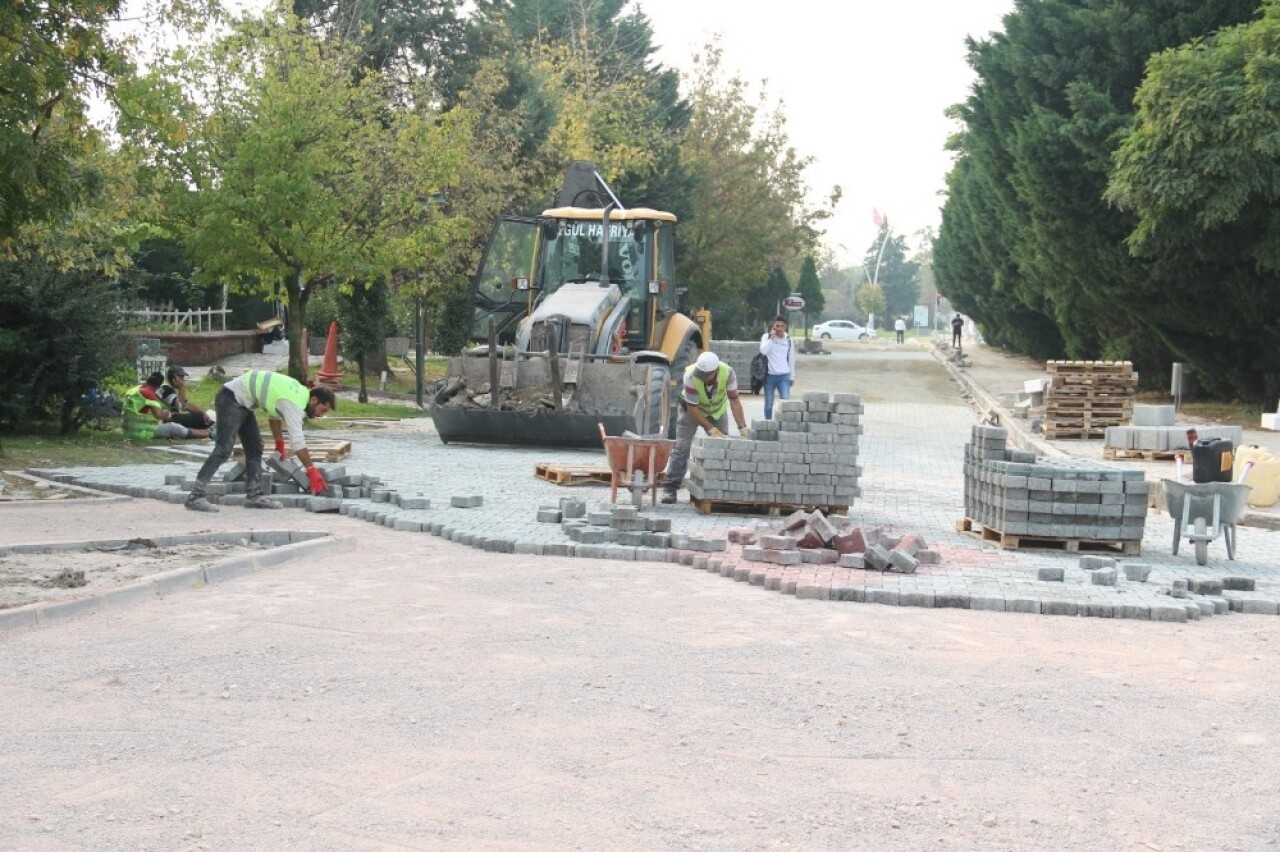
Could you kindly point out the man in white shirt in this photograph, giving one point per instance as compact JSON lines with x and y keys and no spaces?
{"x":900,"y":327}
{"x":777,"y":346}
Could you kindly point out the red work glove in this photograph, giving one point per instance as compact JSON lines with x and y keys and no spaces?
{"x":318,"y":485}
{"x":284,"y":454}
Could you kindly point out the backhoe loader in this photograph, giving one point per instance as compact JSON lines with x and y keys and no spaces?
{"x":576,"y":311}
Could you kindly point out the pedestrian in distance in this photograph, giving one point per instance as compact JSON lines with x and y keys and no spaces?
{"x":710,"y":391}
{"x":900,"y":329}
{"x":777,"y":346}
{"x":173,"y":393}
{"x":145,"y":417}
{"x":957,"y":326}
{"x":286,"y":401}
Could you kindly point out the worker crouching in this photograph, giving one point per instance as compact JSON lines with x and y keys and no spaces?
{"x":710,"y":392}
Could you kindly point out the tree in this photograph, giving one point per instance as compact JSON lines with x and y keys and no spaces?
{"x":870,"y":298}
{"x":810,"y":289}
{"x":1028,"y":245}
{"x":1200,"y":170}
{"x":364,"y":314}
{"x":750,"y":208}
{"x":51,"y":55}
{"x":286,"y":166}
{"x":897,"y":276}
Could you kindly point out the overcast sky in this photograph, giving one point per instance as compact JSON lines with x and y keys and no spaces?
{"x":864,"y":85}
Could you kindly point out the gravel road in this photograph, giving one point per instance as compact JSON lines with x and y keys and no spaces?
{"x":418,"y":694}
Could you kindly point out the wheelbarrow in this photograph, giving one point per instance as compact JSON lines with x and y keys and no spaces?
{"x":635,"y":463}
{"x":1204,"y":510}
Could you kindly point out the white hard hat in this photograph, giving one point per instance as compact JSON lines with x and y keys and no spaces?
{"x":707,"y":362}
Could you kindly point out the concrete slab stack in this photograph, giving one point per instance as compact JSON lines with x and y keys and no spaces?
{"x":1067,"y":499}
{"x":1143,"y":436}
{"x":738,"y":354}
{"x":808,"y":456}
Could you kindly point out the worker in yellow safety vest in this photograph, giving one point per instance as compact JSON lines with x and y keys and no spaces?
{"x":286,"y":401}
{"x":145,"y":417}
{"x":710,"y":392}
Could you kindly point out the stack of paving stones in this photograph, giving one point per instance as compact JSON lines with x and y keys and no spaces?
{"x":1154,"y":431}
{"x":818,"y":538}
{"x":1009,"y":492}
{"x":738,"y":354}
{"x":808,"y":456}
{"x":1085,"y":397}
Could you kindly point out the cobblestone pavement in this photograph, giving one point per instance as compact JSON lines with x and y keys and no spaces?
{"x":911,"y":456}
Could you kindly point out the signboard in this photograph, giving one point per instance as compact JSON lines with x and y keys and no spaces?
{"x":920,"y":316}
{"x":793,"y":303}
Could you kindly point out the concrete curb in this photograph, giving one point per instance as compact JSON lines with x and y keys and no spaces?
{"x":985,"y":403}
{"x":98,"y":497}
{"x":288,"y":545}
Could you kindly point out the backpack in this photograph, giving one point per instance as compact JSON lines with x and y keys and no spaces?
{"x":759,"y":371}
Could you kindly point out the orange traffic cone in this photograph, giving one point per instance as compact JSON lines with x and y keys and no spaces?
{"x":328,"y":374}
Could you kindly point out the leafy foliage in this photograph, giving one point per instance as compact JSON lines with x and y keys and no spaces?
{"x":810,"y":289}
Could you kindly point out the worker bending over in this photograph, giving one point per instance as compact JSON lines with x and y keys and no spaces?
{"x":286,"y":401}
{"x":710,"y":391}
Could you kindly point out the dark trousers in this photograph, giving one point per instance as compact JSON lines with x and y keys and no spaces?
{"x":233,"y":419}
{"x":190,"y":419}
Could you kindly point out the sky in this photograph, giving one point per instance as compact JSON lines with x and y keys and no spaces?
{"x":864,"y":86}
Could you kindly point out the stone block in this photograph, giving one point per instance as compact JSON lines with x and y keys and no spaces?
{"x":1238,"y":584}
{"x":572,"y":507}
{"x":1178,"y":589}
{"x":323,"y":504}
{"x":810,"y":540}
{"x":782,"y":557}
{"x":852,"y":560}
{"x":777,"y":542}
{"x":901,"y":562}
{"x":820,"y":526}
{"x":1051,"y":575}
{"x":548,"y":515}
{"x":1093,"y":563}
{"x":1137,"y":572}
{"x":850,"y":542}
{"x":473,"y":501}
{"x":1206,"y":585}
{"x":1104,"y":577}
{"x":877,"y":558}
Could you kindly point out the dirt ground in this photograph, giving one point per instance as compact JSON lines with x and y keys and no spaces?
{"x":51,"y":575}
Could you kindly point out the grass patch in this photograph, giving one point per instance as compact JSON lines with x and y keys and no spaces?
{"x":87,"y":448}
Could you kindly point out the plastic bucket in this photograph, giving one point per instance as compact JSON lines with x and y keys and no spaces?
{"x":1263,"y":476}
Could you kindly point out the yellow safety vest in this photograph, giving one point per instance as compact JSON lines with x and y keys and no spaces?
{"x":713,"y":406}
{"x":138,"y":421}
{"x":266,"y":389}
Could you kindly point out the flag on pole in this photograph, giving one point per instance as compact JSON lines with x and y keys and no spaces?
{"x":877,"y":217}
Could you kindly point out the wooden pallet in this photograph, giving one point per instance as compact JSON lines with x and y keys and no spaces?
{"x":573,"y":474}
{"x":1118,"y":453}
{"x":1010,"y":541}
{"x":319,"y":450}
{"x":773,"y":510}
{"x":1054,"y":434}
{"x":1113,"y":368}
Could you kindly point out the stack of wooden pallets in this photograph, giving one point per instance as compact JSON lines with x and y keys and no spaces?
{"x":1085,"y":397}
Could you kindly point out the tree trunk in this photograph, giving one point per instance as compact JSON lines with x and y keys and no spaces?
{"x":298,"y":362}
{"x":67,"y":417}
{"x":364,"y":392}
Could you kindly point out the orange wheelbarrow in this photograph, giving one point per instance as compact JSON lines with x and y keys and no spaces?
{"x":635,"y":463}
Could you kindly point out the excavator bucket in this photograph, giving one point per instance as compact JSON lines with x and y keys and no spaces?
{"x":539,"y":401}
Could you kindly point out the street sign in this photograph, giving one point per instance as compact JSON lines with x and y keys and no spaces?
{"x":793,"y":303}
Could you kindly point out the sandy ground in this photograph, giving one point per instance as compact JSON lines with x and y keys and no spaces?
{"x":417,"y":694}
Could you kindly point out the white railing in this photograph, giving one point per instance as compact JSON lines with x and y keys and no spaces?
{"x":195,"y":319}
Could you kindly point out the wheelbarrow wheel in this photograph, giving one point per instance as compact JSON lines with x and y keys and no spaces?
{"x":637,"y":489}
{"x":1202,"y":541}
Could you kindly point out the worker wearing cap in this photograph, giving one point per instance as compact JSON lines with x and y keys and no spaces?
{"x":286,"y":401}
{"x":710,"y":392}
{"x":174,"y":394}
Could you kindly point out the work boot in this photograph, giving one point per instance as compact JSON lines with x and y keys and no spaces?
{"x":260,"y":502}
{"x":668,"y":497}
{"x":200,"y":504}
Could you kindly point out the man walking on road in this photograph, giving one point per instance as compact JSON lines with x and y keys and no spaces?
{"x":778,"y":347}
{"x":286,"y":401}
{"x":957,"y":325}
{"x":710,"y":391}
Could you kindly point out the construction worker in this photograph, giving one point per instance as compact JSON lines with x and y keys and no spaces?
{"x":286,"y":401}
{"x":710,"y":391}
{"x":144,"y":417}
{"x":173,"y":393}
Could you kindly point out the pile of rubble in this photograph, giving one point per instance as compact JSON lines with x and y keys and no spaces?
{"x":817,"y":538}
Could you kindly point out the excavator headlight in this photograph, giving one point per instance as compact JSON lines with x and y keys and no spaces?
{"x":657,"y":288}
{"x":519,"y":283}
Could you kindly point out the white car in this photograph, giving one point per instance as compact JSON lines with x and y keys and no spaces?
{"x":841,"y":330}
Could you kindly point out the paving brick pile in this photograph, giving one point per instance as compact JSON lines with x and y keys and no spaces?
{"x":738,"y":354}
{"x":1010,"y":493}
{"x":808,"y":456}
{"x":1154,"y":430}
{"x":1085,"y":397}
{"x":819,"y":539}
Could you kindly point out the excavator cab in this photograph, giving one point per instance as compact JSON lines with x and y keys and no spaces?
{"x":579,"y":322}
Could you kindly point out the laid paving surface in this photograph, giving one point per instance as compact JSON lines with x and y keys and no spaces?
{"x":911,"y":455}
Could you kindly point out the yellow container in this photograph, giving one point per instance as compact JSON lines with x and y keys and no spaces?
{"x":1264,"y":476}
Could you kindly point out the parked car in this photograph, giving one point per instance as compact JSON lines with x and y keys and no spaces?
{"x":841,"y":330}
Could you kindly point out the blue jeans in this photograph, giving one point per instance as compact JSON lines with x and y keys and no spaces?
{"x":781,"y":384}
{"x":234,"y":420}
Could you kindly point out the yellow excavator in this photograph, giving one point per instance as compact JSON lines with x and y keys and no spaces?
{"x":578,"y":322}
